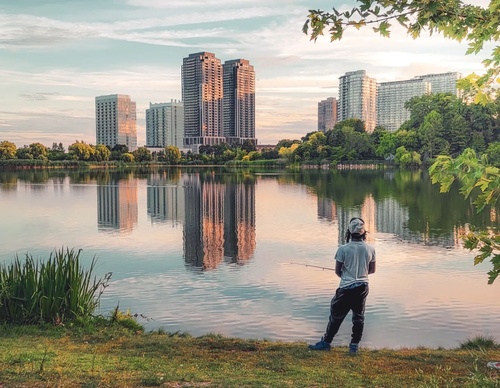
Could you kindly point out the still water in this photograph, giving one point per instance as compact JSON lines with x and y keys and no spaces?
{"x":220,"y":251}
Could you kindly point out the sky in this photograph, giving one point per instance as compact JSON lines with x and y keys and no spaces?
{"x":56,"y":56}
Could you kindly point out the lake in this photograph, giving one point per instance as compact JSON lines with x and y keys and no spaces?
{"x":215,"y":250}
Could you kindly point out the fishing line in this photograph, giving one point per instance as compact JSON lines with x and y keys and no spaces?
{"x":314,"y":266}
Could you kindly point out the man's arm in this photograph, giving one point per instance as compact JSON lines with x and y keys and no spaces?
{"x":371,"y":267}
{"x":338,"y":268}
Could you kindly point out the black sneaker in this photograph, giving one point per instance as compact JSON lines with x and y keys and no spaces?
{"x":353,"y":349}
{"x":321,"y":345}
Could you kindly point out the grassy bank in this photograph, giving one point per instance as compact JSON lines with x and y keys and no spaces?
{"x":111,"y":355}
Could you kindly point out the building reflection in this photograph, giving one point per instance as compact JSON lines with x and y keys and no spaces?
{"x":165,"y":198}
{"x":117,"y":205}
{"x":219,"y":221}
{"x":239,"y":222}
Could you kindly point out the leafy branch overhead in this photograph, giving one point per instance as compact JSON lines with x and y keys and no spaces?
{"x":452,"y":18}
{"x":476,"y":176}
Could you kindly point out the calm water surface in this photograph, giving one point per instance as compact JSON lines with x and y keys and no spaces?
{"x":220,"y":251}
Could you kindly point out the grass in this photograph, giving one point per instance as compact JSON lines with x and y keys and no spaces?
{"x":108,"y":353}
{"x":52,"y":290}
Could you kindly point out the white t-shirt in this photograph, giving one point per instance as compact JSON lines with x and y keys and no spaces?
{"x":356,"y":257}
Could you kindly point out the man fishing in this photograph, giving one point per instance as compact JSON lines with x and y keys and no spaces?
{"x":353,"y":262}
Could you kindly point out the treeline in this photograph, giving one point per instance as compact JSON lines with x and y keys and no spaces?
{"x":439,"y":124}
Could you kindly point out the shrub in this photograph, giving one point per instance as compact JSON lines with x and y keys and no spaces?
{"x":52,"y":291}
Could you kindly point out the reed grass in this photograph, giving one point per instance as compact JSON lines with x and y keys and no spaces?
{"x":49,"y":291}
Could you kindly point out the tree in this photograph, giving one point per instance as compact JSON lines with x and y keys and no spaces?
{"x":356,"y":124}
{"x":38,"y":151}
{"x":127,"y":157}
{"x":387,"y":145}
{"x":493,"y":153}
{"x":24,"y":153}
{"x":286,"y":143}
{"x":142,"y":154}
{"x":430,"y":133}
{"x":404,"y":158}
{"x":7,"y":150}
{"x":453,"y":19}
{"x":172,"y":154}
{"x":81,"y":151}
{"x":101,"y":153}
{"x":288,"y":152}
{"x":474,"y":174}
{"x":57,"y":152}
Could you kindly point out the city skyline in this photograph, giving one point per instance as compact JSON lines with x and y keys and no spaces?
{"x":57,"y":57}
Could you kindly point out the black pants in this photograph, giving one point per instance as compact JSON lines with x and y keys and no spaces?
{"x":344,"y":301}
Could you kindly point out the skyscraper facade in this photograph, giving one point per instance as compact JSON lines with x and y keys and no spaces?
{"x":443,"y":82}
{"x":202,"y":93}
{"x":358,"y":98}
{"x":116,"y":121}
{"x":165,"y":124}
{"x":391,"y":99}
{"x":239,"y":101}
{"x":327,"y":114}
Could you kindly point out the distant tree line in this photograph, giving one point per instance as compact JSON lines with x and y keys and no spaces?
{"x":439,"y":124}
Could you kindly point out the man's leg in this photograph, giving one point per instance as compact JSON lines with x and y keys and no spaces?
{"x":358,"y":301}
{"x":339,"y":307}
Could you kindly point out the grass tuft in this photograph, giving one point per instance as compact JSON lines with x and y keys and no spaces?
{"x":479,"y":343}
{"x":54,"y":291}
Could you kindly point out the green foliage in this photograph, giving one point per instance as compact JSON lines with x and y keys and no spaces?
{"x":101,"y":153}
{"x":33,"y":151}
{"x":51,"y":291}
{"x":493,"y":153}
{"x":453,"y":19}
{"x":127,"y":157}
{"x":7,"y":150}
{"x":142,"y":154}
{"x":81,"y":151}
{"x":404,"y":158}
{"x":172,"y":155}
{"x":430,"y":134}
{"x":482,"y":180}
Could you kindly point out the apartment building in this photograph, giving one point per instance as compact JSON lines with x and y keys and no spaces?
{"x":327,"y":114}
{"x":391,"y":99}
{"x":238,"y":101}
{"x":165,"y":124}
{"x":358,"y":98}
{"x":443,"y":82}
{"x":116,"y":121}
{"x":202,"y":94}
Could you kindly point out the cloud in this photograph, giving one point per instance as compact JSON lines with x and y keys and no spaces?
{"x":37,"y":96}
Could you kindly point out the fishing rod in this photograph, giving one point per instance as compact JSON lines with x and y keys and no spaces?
{"x":314,"y":266}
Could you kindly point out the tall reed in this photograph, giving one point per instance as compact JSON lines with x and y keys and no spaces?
{"x":51,"y":291}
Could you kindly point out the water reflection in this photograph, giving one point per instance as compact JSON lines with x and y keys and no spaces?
{"x":117,"y":205}
{"x":219,"y":220}
{"x":165,"y":197}
{"x":184,"y":248}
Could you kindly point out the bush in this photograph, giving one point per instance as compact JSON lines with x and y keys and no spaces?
{"x":52,"y":291}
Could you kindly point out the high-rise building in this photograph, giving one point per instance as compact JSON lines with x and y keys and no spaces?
{"x":165,"y":124}
{"x":115,"y":119}
{"x":239,"y":101}
{"x":327,"y":114}
{"x":391,"y":99}
{"x":358,"y":98}
{"x":443,"y":82}
{"x":202,"y":93}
